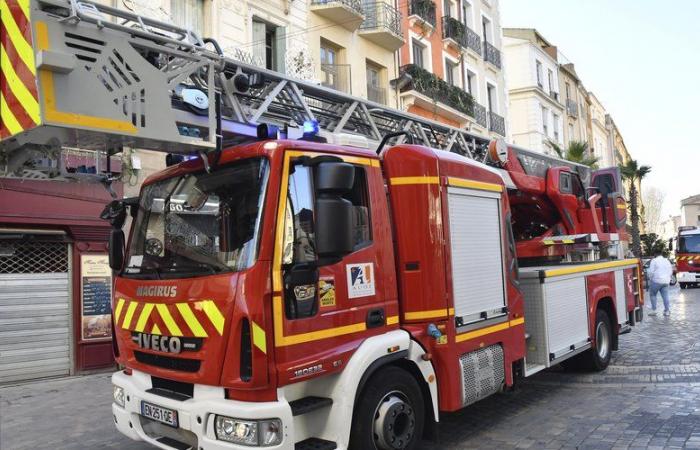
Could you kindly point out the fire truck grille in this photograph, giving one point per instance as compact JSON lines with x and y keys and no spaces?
{"x":482,"y":373}
{"x":167,"y":362}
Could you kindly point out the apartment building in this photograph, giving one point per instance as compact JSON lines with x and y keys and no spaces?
{"x":536,"y":112}
{"x":575,"y":99}
{"x":599,"y":141}
{"x":451,"y":65}
{"x":353,"y":44}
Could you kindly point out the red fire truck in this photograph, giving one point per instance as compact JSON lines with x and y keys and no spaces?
{"x":688,"y":256}
{"x":294,"y":294}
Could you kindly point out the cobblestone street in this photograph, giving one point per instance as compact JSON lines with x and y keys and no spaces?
{"x":648,"y":398}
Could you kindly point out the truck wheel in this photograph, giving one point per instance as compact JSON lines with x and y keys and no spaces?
{"x":684,"y":285}
{"x":599,"y":356}
{"x":389,"y":414}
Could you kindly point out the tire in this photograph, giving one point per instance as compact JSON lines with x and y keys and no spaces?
{"x":674,"y":280}
{"x":598,"y":358}
{"x":684,"y":285}
{"x":390,"y":406}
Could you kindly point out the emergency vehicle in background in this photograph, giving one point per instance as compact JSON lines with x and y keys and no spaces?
{"x":687,"y":256}
{"x":300,"y":294}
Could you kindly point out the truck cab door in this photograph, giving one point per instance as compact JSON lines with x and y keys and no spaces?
{"x":333,"y":291}
{"x":612,"y":205}
{"x":562,"y":190}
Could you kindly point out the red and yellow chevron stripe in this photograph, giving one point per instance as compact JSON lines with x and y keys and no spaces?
{"x":19,"y":98}
{"x":196,"y":319}
{"x":689,"y":258}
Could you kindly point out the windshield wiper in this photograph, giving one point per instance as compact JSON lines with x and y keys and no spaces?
{"x":196,"y":267}
{"x":152,"y":270}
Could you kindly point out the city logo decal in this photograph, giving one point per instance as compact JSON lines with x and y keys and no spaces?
{"x":360,"y":280}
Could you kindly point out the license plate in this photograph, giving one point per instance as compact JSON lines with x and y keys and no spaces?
{"x":163,"y":415}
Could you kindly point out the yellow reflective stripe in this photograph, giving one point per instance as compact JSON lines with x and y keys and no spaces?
{"x":24,"y":5}
{"x":567,"y":241}
{"x":118,"y":310}
{"x":129,"y":314}
{"x":25,"y":51}
{"x":415,"y":315}
{"x":8,"y":118}
{"x":548,"y":242}
{"x":259,"y":339}
{"x":399,"y":181}
{"x":215,"y":316}
{"x":155,"y":329}
{"x":323,"y":334}
{"x":518,"y":321}
{"x":164,"y":313}
{"x":451,"y":311}
{"x":621,"y":206}
{"x":472,"y":184}
{"x":482,"y":332}
{"x":143,"y":318}
{"x":392,"y":320}
{"x":590,"y":267}
{"x":18,"y":88}
{"x":191,"y":320}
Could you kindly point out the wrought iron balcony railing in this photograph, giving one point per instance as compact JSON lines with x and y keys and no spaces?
{"x":425,"y":9}
{"x":376,"y":94}
{"x":382,"y":15}
{"x":492,"y":54}
{"x":497,"y":124}
{"x":337,"y":76}
{"x":571,"y":108}
{"x":473,"y":40}
{"x":355,"y":5}
{"x":440,"y":91}
{"x":480,"y":115}
{"x":455,"y":30}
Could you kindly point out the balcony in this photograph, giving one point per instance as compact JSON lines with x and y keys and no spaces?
{"x":337,"y":76}
{"x":382,"y":25}
{"x":492,"y":54}
{"x":424,"y":10}
{"x":438,"y":90}
{"x":480,"y":115}
{"x":347,"y":13}
{"x":376,"y":94}
{"x":473,"y":40}
{"x":454,"y":30}
{"x":497,"y":124}
{"x":571,"y":108}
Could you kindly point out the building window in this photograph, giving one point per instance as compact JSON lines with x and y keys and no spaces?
{"x":491,"y":94}
{"x":450,"y":69}
{"x":418,"y":53}
{"x":545,"y":128}
{"x":486,"y":28}
{"x":568,"y":93}
{"x":188,"y":14}
{"x":555,"y":127}
{"x":571,"y":132}
{"x":538,"y":66}
{"x":375,"y":91}
{"x":268,"y":45}
{"x":331,"y":73}
{"x":467,"y":14}
{"x":550,"y":81}
{"x":471,"y":83}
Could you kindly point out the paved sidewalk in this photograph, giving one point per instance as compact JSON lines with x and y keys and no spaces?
{"x":648,"y":398}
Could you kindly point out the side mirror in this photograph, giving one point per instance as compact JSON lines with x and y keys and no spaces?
{"x":333,"y":212}
{"x":116,"y":249}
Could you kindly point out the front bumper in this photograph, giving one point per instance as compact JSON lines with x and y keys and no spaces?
{"x":688,"y":277}
{"x":196,"y":415}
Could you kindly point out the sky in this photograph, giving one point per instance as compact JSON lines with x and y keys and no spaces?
{"x":641,"y":58}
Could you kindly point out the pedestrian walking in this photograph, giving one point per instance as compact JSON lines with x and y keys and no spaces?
{"x":659,"y":273}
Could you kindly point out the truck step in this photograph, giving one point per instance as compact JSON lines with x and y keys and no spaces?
{"x":308,"y":404}
{"x":315,"y":444}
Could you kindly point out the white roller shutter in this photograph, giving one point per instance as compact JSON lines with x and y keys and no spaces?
{"x":35,"y":310}
{"x":475,"y":242}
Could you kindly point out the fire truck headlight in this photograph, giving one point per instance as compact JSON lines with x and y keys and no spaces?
{"x":248,"y":432}
{"x":118,"y":395}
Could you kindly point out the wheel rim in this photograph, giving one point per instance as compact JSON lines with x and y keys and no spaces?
{"x":394,"y":422}
{"x":602,"y":339}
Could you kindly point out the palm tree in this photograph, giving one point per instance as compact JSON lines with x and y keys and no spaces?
{"x":577,"y":152}
{"x":634,"y":173}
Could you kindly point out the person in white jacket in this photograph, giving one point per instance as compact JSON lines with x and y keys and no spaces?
{"x":659,"y":274}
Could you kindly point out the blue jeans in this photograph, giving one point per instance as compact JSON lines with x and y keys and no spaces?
{"x":655,"y":288}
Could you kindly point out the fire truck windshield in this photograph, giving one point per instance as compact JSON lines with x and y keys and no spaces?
{"x":689,"y":243}
{"x":199,"y":223}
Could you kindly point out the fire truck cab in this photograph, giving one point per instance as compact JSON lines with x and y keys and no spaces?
{"x":688,"y":256}
{"x":303,"y":295}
